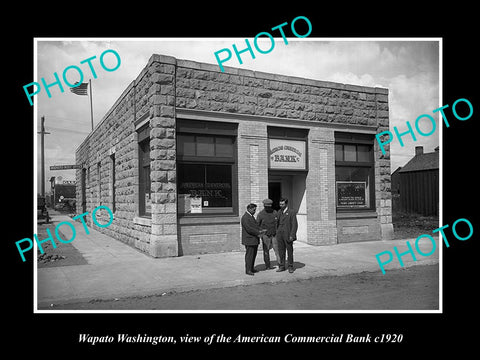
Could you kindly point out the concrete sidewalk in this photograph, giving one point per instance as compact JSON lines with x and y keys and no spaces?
{"x":117,"y":270}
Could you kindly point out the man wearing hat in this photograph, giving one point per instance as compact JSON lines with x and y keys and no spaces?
{"x":267,"y":219}
{"x":250,"y":234}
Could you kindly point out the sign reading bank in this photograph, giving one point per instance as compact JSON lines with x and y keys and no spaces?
{"x":286,"y":154}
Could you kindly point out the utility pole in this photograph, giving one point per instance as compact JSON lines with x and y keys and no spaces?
{"x":42,"y":144}
{"x":91,"y":103}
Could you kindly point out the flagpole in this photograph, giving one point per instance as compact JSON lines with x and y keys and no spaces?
{"x":91,"y":104}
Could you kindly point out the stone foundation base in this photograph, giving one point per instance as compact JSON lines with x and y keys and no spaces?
{"x":387,"y":231}
{"x":163,"y":246}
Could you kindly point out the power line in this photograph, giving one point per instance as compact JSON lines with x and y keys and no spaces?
{"x":66,"y":119}
{"x":69,"y":130}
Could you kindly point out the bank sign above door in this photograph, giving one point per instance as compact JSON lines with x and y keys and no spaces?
{"x":286,"y":154}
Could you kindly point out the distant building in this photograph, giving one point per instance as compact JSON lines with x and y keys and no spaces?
{"x":395,"y":188}
{"x":415,"y":186}
{"x":63,"y":194}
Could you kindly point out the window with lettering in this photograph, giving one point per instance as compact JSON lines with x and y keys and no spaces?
{"x":354,"y":172}
{"x":206,"y":168}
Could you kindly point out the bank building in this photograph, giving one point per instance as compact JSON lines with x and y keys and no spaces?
{"x":186,"y":147}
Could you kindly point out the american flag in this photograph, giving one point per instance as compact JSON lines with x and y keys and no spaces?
{"x":80,"y":89}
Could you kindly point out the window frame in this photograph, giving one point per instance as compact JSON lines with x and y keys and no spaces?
{"x":357,"y":140}
{"x":199,"y":158}
{"x":216,"y":130}
{"x":143,"y":183}
{"x":233,"y":187}
{"x":99,"y":183}
{"x":84,"y":189}
{"x":113,"y":181}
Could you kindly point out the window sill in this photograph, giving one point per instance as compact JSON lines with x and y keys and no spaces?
{"x":142,"y":221}
{"x":357,"y":214}
{"x":209,"y":219}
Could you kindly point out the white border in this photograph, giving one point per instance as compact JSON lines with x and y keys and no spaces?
{"x":379,"y":39}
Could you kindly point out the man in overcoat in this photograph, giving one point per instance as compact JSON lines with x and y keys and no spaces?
{"x":286,"y":234}
{"x":250,"y":233}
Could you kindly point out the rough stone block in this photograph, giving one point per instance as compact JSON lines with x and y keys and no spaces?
{"x":184,"y":72}
{"x":162,"y":219}
{"x":157,"y":99}
{"x":171,"y":154}
{"x":166,"y":164}
{"x":160,"y":198}
{"x":162,"y":79}
{"x":167,"y":111}
{"x":171,"y":208}
{"x":232,"y":108}
{"x":169,"y":187}
{"x":172,"y":176}
{"x":156,"y":186}
{"x":158,"y":154}
{"x":382,"y":98}
{"x":157,"y":175}
{"x":250,"y":100}
{"x":382,"y":114}
{"x":157,"y":132}
{"x":246,"y":109}
{"x":165,"y":144}
{"x":236,"y":98}
{"x":265,"y":94}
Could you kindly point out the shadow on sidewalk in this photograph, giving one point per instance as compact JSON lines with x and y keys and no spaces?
{"x":65,"y":254}
{"x":262,"y":267}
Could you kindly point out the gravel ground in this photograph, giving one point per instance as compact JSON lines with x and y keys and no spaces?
{"x":413,"y":288}
{"x":409,"y":226}
{"x":62,"y":255}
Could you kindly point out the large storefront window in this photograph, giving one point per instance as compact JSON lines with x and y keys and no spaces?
{"x":206,"y":168}
{"x":210,"y":184}
{"x":354,"y":172}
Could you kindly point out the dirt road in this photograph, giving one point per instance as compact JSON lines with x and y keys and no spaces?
{"x":413,"y":288}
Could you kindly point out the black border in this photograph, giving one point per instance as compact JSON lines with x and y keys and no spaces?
{"x":429,"y":332}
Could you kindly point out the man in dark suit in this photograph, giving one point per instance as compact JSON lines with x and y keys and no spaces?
{"x":286,"y":234}
{"x":250,"y":233}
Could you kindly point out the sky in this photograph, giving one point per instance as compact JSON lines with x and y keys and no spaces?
{"x":408,"y":68}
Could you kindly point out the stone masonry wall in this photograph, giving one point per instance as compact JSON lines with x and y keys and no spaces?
{"x":163,"y":239}
{"x":167,"y":84}
{"x":308,"y":102}
{"x":150,"y":96}
{"x":203,"y":87}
